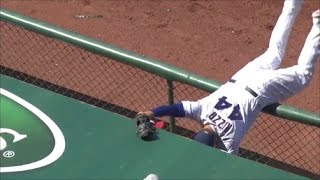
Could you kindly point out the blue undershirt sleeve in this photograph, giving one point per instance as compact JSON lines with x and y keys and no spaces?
{"x":175,"y":110}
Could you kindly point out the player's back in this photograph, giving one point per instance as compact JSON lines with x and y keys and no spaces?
{"x":234,"y":104}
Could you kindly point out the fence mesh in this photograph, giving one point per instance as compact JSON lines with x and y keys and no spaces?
{"x":74,"y":72}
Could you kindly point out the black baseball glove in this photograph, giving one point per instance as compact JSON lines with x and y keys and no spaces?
{"x":145,"y":127}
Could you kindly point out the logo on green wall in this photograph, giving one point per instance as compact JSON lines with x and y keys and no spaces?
{"x":29,"y":139}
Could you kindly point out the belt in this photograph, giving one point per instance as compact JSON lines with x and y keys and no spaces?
{"x":252,"y":92}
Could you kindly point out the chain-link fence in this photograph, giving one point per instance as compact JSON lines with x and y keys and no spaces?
{"x":97,"y":80}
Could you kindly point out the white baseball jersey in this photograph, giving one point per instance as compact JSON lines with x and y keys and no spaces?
{"x":232,"y":109}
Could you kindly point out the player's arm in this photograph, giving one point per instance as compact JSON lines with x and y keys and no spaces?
{"x":184,"y":109}
{"x":175,"y":110}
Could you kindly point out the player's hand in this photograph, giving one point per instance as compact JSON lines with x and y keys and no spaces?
{"x":147,"y":113}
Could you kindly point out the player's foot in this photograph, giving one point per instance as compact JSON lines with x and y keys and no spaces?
{"x":316,"y":17}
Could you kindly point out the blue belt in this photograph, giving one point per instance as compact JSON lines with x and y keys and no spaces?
{"x":252,"y":92}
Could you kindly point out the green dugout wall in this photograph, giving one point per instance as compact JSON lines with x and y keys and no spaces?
{"x":91,"y":143}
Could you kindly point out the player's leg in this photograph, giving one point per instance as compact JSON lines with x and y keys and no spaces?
{"x":295,"y":78}
{"x":311,"y":49}
{"x":272,"y":57}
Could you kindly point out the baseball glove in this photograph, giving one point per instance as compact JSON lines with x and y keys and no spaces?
{"x":145,"y":127}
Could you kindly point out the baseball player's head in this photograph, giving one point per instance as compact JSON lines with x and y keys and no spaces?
{"x":205,"y":136}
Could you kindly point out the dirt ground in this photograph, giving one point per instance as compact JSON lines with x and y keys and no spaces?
{"x":213,"y":38}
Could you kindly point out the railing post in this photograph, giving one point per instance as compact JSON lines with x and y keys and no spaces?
{"x":171,"y":101}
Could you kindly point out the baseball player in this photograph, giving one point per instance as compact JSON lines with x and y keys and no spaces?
{"x":228,"y":113}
